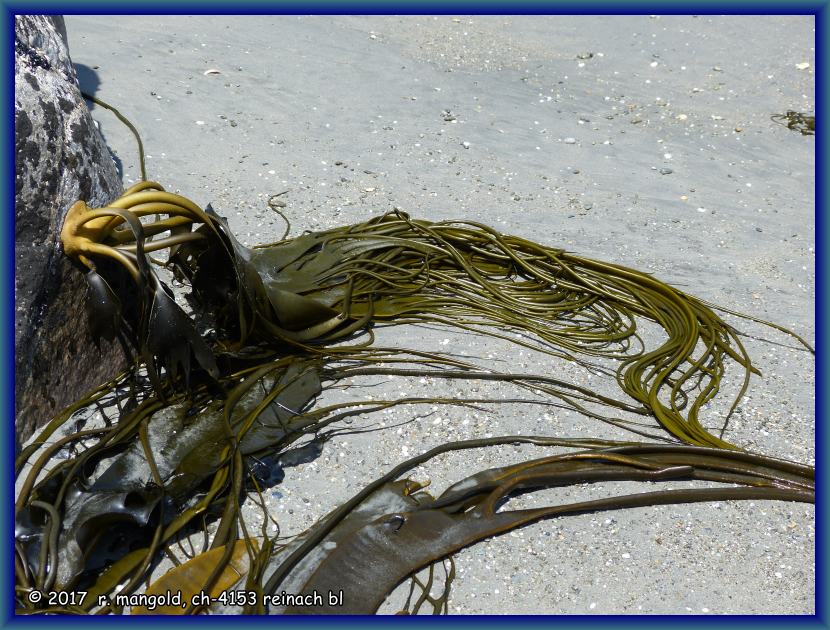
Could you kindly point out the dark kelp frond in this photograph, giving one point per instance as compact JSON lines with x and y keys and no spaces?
{"x":389,"y":532}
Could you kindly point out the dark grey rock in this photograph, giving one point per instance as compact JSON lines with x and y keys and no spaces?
{"x":60,"y":157}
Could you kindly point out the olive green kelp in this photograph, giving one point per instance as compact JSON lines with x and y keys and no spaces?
{"x":220,"y":398}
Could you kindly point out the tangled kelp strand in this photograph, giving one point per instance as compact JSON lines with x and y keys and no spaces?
{"x":322,"y":287}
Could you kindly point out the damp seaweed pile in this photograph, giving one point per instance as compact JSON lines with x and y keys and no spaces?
{"x":233,"y":381}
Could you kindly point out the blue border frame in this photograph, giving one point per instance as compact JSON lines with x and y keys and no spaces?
{"x":403,"y":7}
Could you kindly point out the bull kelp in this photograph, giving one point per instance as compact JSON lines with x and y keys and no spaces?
{"x":217,"y":394}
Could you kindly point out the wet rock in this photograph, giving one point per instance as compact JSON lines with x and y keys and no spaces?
{"x":60,"y":158}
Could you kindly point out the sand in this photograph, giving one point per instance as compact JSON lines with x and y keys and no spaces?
{"x":642,"y":140}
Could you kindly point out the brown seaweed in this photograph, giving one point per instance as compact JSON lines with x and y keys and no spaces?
{"x":805,"y":124}
{"x":206,"y":404}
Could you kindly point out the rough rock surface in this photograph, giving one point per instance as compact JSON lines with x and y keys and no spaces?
{"x":60,"y":158}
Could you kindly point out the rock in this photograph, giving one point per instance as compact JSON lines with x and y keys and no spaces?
{"x":60,"y":158}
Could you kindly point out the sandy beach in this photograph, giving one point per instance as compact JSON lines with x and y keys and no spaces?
{"x":641,"y":140}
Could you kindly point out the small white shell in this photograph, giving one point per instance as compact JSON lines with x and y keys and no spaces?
{"x":212,"y":71}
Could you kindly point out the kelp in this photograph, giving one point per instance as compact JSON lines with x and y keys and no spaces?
{"x":805,"y":124}
{"x":373,"y":556}
{"x":221,"y":399}
{"x":189,"y":578}
{"x":308,"y":292}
